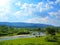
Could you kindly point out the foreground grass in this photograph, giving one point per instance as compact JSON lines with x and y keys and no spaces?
{"x":29,"y":41}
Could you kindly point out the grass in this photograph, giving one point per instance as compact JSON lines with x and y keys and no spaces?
{"x":31,"y":41}
{"x":28,"y":41}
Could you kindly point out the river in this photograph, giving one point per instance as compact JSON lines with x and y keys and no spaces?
{"x":15,"y":37}
{"x":21,"y":36}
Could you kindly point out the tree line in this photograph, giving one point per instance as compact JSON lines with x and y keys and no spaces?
{"x":9,"y":30}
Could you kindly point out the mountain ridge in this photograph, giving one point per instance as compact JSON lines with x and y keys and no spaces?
{"x":23,"y":25}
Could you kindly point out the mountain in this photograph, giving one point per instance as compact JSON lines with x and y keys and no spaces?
{"x":23,"y":25}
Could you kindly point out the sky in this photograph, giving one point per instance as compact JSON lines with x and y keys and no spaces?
{"x":30,"y":11}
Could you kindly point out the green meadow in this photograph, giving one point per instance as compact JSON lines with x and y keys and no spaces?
{"x":30,"y":41}
{"x":52,"y":36}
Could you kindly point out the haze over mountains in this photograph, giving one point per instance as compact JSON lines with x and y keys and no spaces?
{"x":23,"y":25}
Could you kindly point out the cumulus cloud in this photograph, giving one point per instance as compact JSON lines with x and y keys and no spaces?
{"x":3,"y":18}
{"x":3,"y":12}
{"x":38,"y":20}
{"x":45,"y":20}
{"x":28,"y":9}
{"x":22,"y":13}
{"x":18,"y":3}
{"x":57,"y":1}
{"x":4,"y":9}
{"x":29,"y":12}
{"x":55,"y":14}
{"x":50,"y":2}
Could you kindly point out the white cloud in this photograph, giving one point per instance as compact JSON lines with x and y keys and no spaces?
{"x":57,"y":1}
{"x":50,"y":2}
{"x":4,"y":2}
{"x":43,"y":20}
{"x":3,"y":13}
{"x":45,"y":7}
{"x":55,"y":14}
{"x":41,"y":6}
{"x":29,"y":9}
{"x":3,"y":18}
{"x":22,"y":13}
{"x":24,"y":6}
{"x":18,"y":3}
{"x":48,"y":6}
{"x":4,"y":9}
{"x":37,"y":20}
{"x":26,"y":10}
{"x":53,"y":2}
{"x":17,"y":14}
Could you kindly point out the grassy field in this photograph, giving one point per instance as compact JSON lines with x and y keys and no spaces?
{"x":29,"y":41}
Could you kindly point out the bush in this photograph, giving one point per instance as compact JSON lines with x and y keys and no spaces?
{"x":40,"y":44}
{"x":51,"y":39}
{"x":19,"y":44}
{"x":30,"y":44}
{"x":23,"y":33}
{"x":11,"y":44}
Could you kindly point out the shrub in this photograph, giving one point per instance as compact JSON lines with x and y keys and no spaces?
{"x":19,"y":44}
{"x":30,"y":44}
{"x":11,"y":44}
{"x":40,"y":44}
{"x":52,"y":39}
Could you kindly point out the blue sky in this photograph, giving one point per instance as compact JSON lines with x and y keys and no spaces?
{"x":30,"y":11}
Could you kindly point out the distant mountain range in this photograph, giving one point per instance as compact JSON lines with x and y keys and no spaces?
{"x":23,"y":25}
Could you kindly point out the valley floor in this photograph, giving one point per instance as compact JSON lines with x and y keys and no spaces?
{"x":29,"y":41}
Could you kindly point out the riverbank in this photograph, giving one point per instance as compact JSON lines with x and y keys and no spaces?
{"x":15,"y":37}
{"x":21,"y":36}
{"x":28,"y":41}
{"x":21,"y":40}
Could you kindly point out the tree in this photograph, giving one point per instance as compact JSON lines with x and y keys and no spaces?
{"x":39,"y":29}
{"x":51,"y":31}
{"x":11,"y":30}
{"x":3,"y":30}
{"x":51,"y":38}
